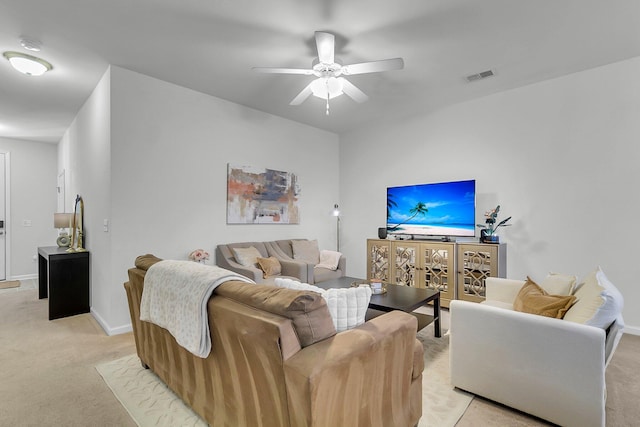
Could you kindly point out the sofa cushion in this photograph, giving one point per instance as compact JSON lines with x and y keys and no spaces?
{"x":306,"y":250}
{"x":535,"y":300}
{"x":347,"y":306}
{"x":143,"y":262}
{"x":270,"y":266}
{"x":329,"y":259}
{"x":599,"y":302}
{"x":322,"y":274}
{"x":308,"y":311}
{"x":559,"y":284}
{"x":247,"y":257}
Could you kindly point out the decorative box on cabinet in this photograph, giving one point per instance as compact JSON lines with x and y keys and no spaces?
{"x":418,"y":264}
{"x":476,"y":262}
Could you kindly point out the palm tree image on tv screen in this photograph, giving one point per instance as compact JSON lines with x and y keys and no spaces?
{"x":439,"y":209}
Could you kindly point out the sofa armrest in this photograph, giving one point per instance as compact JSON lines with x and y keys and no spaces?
{"x":358,"y":376}
{"x":224,"y":261}
{"x":547,"y":367}
{"x":342,"y":265}
{"x":293,"y":268}
{"x":503,"y":290}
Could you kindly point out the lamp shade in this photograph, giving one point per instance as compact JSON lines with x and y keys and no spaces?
{"x":62,"y":220}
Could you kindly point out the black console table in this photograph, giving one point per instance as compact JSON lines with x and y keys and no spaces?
{"x":63,"y":277}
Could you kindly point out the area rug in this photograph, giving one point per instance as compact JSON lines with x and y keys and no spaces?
{"x":151,"y":403}
{"x":10,"y":284}
{"x":442,"y":404}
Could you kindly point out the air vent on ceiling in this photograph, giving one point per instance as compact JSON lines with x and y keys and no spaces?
{"x":480,"y":76}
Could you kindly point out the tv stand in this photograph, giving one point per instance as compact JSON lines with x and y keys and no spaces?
{"x":457,"y":269}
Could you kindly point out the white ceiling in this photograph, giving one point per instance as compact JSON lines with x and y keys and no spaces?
{"x":210,"y":46}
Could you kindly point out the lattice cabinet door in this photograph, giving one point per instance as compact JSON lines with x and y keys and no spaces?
{"x":378,"y":262}
{"x":405,"y":258}
{"x":476,"y":262}
{"x":437,"y":269}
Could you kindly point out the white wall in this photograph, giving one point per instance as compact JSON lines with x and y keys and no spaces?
{"x":33,"y":197}
{"x":84,"y":155}
{"x":560,"y":156}
{"x":155,"y":166}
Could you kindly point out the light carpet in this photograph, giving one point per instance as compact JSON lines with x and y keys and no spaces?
{"x":442,"y":404}
{"x":150,"y":402}
{"x":10,"y":284}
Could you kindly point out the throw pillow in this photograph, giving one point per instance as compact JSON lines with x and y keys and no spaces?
{"x":307,"y":311}
{"x":347,"y":306}
{"x":535,"y":300}
{"x":599,"y":302}
{"x":306,"y":250}
{"x":329,"y":259}
{"x":559,"y":284}
{"x":270,"y":266}
{"x":247,"y":257}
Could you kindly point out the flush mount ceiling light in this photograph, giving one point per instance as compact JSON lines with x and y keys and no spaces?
{"x":27,"y":64}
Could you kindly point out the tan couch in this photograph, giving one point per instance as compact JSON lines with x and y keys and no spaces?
{"x":277,"y":361}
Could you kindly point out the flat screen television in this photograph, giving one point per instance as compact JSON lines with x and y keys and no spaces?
{"x":438,"y":209}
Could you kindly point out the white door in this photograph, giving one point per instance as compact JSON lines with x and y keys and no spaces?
{"x":3,"y":219}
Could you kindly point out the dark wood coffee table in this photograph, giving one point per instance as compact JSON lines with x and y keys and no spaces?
{"x":397,"y":297}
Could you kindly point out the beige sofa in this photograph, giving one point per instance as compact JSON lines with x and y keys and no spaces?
{"x":226,"y":259}
{"x":276,"y":360}
{"x":282,"y":250}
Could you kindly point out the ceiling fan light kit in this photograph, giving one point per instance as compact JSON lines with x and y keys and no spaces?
{"x":27,"y":64}
{"x":329,"y":83}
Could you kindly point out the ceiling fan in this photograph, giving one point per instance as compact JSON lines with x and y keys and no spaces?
{"x":329,"y":82}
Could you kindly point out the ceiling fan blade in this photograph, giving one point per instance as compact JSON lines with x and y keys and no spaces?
{"x":302,"y":96}
{"x":270,"y":70}
{"x":326,"y":45}
{"x":352,"y":91}
{"x":373,"y":66}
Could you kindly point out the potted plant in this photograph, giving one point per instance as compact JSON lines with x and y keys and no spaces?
{"x":489,"y":228}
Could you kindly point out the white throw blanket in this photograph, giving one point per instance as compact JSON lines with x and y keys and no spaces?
{"x":175,"y":297}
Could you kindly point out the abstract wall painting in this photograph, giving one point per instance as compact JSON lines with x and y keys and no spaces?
{"x":261,"y":196}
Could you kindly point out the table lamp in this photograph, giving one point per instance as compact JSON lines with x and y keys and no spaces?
{"x":62,"y":221}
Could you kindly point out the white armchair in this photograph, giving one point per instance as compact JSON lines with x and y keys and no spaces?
{"x":551,"y":368}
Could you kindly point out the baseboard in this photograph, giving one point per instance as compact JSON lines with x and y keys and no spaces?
{"x":24,"y":277}
{"x":631,"y":330}
{"x":108,"y":329}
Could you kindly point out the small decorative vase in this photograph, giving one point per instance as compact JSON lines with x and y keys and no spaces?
{"x":488,"y":238}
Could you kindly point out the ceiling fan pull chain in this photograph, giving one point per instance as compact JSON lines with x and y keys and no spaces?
{"x":327,"y":84}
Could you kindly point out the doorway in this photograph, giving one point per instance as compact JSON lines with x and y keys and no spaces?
{"x":3,"y":214}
